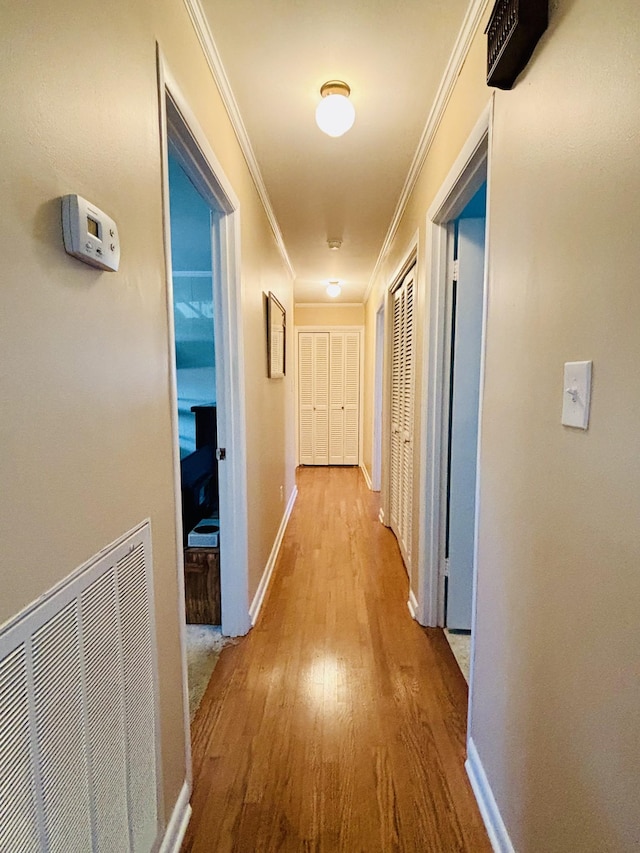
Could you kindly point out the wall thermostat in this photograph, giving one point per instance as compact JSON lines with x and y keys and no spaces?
{"x":89,"y":234}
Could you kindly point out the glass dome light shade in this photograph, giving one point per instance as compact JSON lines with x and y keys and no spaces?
{"x":335,"y":114}
{"x":333,"y":289}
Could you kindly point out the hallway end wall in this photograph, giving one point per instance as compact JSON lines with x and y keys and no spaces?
{"x":329,"y":315}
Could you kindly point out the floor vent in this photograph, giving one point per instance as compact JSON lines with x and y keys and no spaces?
{"x":78,"y":711}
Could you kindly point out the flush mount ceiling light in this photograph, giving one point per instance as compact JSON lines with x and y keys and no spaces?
{"x":334,"y":244}
{"x":335,"y":113}
{"x":333,"y":288}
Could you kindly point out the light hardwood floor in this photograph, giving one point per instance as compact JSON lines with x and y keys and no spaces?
{"x":338,"y":723}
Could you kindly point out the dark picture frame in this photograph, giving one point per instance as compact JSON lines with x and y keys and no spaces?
{"x":276,"y":338}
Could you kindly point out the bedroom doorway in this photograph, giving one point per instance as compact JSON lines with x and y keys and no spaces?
{"x":205,"y":348}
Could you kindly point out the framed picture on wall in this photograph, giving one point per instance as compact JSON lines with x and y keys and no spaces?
{"x":276,"y":337}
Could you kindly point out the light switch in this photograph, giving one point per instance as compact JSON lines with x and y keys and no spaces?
{"x":576,"y":393}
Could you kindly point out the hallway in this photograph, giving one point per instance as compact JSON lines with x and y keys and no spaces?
{"x":338,"y":723}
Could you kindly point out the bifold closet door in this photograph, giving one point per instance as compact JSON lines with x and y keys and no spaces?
{"x":402,"y":407}
{"x":329,"y":397}
{"x":344,"y":395}
{"x":313,"y":385}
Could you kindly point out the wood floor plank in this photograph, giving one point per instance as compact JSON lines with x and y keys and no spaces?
{"x":338,"y":723}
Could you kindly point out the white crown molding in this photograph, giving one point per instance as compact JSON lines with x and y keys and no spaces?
{"x":205,"y":37}
{"x":467,"y":31}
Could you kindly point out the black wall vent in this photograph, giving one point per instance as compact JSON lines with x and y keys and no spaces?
{"x":514,"y":29}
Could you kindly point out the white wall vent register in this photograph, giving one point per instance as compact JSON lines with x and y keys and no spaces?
{"x":78,"y":713}
{"x":89,"y":234}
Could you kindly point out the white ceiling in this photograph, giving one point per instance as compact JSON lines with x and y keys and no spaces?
{"x":276,"y":56}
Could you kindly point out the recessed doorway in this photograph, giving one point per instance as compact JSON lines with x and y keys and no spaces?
{"x":456,"y":229}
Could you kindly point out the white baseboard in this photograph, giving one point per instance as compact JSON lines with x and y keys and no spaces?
{"x":258,"y":598}
{"x":497,"y":831}
{"x":366,"y":476}
{"x":412,"y":604}
{"x":178,"y":823}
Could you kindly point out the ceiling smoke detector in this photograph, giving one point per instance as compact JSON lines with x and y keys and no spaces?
{"x":334,"y":244}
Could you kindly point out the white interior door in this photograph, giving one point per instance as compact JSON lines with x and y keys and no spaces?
{"x":466,"y":350}
{"x":351,"y":398}
{"x":396,"y":394}
{"x":329,"y":398}
{"x":313,"y":398}
{"x":336,"y":398}
{"x":402,"y":391}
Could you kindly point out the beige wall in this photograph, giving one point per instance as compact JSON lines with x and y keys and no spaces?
{"x":329,"y":315}
{"x":556,"y":710}
{"x":556,"y":690}
{"x":85,"y":426}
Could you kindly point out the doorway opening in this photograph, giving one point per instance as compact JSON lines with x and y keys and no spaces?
{"x":465,"y":293}
{"x":206,"y":361}
{"x":456,"y":232}
{"x":192,"y":226}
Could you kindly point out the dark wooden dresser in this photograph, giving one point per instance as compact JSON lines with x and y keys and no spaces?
{"x":202,"y":585}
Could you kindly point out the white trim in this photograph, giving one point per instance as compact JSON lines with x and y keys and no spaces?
{"x":412,"y":604}
{"x":178,"y":823}
{"x":210,"y":50}
{"x":496,"y":830}
{"x":175,"y":430}
{"x":329,"y":305}
{"x":366,"y":476}
{"x":458,"y":55}
{"x":457,"y":189}
{"x":258,"y":598}
{"x":230,"y":379}
{"x":483,"y":356}
{"x":381,"y":516}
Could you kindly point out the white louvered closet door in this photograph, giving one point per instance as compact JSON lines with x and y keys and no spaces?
{"x":396,"y":376}
{"x":351,"y":398}
{"x":402,"y":408}
{"x":329,"y":397}
{"x":407,"y":421}
{"x":313,"y":385}
{"x":336,"y":399}
{"x":344,"y":398}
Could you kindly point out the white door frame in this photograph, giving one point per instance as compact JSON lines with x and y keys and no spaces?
{"x":180,"y":130}
{"x":360,"y":331}
{"x":467,"y":174}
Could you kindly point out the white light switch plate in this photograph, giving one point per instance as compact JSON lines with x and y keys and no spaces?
{"x":576,"y":394}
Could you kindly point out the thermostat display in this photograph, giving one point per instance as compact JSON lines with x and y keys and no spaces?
{"x":89,"y":234}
